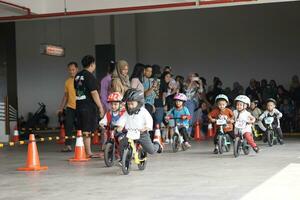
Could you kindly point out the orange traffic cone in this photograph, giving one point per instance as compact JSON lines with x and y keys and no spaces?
{"x":80,"y":155}
{"x":62,"y":135}
{"x":33,"y":161}
{"x":96,"y":138}
{"x":210,"y":131}
{"x":16,"y":135}
{"x":197,"y":134}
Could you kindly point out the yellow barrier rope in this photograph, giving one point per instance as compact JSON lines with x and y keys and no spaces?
{"x":43,"y":139}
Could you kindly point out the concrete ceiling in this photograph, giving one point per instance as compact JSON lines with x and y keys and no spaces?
{"x":12,"y":10}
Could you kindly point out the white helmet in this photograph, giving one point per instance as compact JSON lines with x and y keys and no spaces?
{"x":244,"y":99}
{"x":221,"y":96}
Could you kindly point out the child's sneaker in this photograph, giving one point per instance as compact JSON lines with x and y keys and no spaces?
{"x":256,"y":149}
{"x":157,"y":139}
{"x":187,"y":145}
{"x":216,"y":150}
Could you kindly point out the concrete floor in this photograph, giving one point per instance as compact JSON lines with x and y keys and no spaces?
{"x":195,"y":174}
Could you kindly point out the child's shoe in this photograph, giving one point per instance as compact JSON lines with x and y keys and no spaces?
{"x":256,"y":149}
{"x":187,"y":145}
{"x":216,"y":150}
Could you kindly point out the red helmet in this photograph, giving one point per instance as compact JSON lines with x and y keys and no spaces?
{"x":114,"y":97}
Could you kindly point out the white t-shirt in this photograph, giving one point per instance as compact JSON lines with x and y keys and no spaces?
{"x":136,"y":121}
{"x":245,"y":117}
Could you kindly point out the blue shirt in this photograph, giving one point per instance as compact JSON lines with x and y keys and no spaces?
{"x":147,"y":85}
{"x":178,"y":114}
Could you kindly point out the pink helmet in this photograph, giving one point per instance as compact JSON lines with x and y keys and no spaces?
{"x":180,"y":97}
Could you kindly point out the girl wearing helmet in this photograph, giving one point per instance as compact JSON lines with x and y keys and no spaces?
{"x":222,"y":112}
{"x":242,"y":102}
{"x":180,"y":111}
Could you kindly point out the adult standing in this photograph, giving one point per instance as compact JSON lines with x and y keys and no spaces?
{"x":252,"y":91}
{"x":136,"y":78}
{"x":164,"y":89}
{"x":193,"y":90}
{"x":69,"y":105}
{"x":150,"y":85}
{"x":120,"y":79}
{"x":106,"y":86}
{"x":88,"y":104}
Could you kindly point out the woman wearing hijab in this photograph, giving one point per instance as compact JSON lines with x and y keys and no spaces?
{"x":120,"y":79}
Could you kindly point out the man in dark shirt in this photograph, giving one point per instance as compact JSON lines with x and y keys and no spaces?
{"x":88,"y":104}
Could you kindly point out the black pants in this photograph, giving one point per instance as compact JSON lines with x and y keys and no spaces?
{"x":277,"y":131}
{"x":184,"y":134}
{"x":69,"y":124}
{"x":230,"y":133}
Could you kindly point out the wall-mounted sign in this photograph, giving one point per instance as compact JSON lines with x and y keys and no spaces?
{"x":52,"y":50}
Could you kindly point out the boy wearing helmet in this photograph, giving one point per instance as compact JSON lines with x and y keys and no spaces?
{"x":241,"y":114}
{"x":180,"y":111}
{"x":222,"y":112}
{"x":270,"y":112}
{"x":138,"y":122}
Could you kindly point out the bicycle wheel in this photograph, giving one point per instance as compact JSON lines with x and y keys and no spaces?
{"x":176,"y":143}
{"x":109,"y":154}
{"x":270,"y":137}
{"x":126,"y":161}
{"x":142,"y":155}
{"x":228,"y":141}
{"x":236,"y":150}
{"x":221,"y":144}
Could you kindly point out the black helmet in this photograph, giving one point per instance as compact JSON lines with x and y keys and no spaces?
{"x":271,"y":100}
{"x":134,"y":95}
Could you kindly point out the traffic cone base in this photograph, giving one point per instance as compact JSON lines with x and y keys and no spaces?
{"x":33,"y":161}
{"x":40,"y":168}
{"x":80,"y":155}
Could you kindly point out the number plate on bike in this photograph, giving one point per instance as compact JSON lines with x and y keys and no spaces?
{"x":240,"y":124}
{"x":269,"y":120}
{"x":221,"y":122}
{"x":133,"y":134}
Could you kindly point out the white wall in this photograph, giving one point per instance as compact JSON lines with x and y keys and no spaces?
{"x":41,"y":78}
{"x":235,"y":43}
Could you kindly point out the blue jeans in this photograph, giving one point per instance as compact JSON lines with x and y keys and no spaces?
{"x":191,"y":105}
{"x":159,"y":115}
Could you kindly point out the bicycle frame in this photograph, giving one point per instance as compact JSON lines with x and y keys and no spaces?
{"x":135,"y":146}
{"x":221,"y":132}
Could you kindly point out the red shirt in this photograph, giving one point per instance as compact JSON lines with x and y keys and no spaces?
{"x":217,"y":113}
